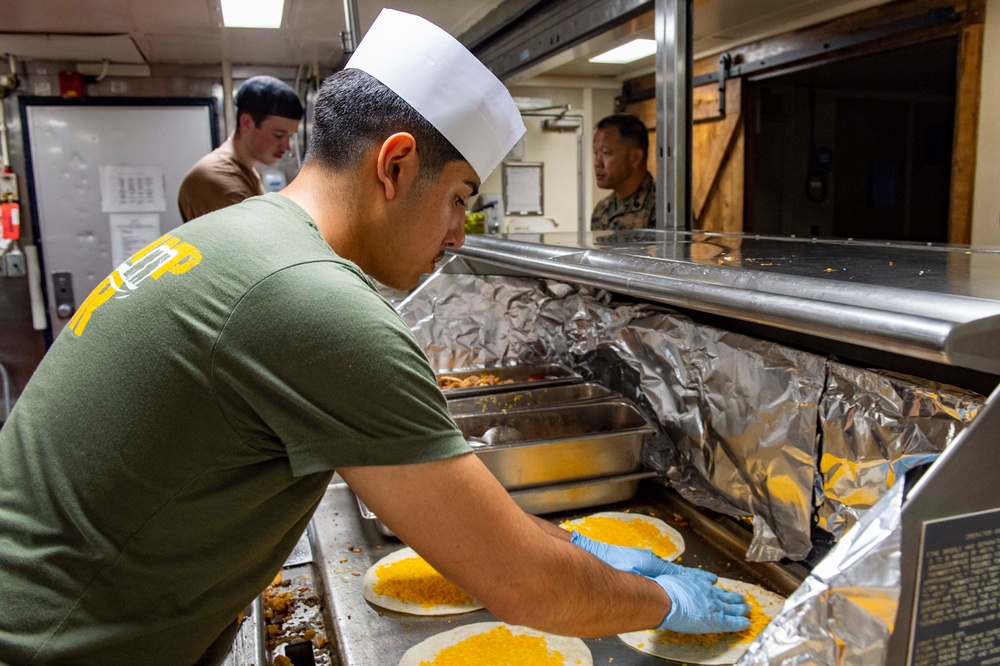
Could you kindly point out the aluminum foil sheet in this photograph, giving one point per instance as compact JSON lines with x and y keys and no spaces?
{"x":739,"y":415}
{"x":876,"y":426}
{"x":843,"y":613}
{"x":469,"y":321}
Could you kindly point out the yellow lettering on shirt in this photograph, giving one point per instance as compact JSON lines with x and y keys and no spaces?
{"x":167,"y":254}
{"x":97,"y":298}
{"x":187,"y":257}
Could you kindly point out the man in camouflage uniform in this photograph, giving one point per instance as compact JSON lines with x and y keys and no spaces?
{"x":620,"y":146}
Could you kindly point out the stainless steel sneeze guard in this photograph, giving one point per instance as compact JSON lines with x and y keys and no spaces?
{"x":941,"y":327}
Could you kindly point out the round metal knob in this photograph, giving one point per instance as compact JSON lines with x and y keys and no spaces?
{"x":64,"y":310}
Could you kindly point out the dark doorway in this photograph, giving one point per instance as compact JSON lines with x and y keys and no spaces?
{"x":859,"y":148}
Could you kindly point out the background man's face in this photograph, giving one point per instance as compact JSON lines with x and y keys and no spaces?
{"x":270,"y":140}
{"x":615,"y":160}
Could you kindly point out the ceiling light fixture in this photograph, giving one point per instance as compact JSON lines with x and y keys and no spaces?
{"x":252,"y":13}
{"x":630,"y":52}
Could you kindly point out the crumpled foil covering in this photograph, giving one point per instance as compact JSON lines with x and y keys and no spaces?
{"x":875,"y":427}
{"x":469,"y":321}
{"x":739,"y":414}
{"x":843,"y":613}
{"x":746,"y":423}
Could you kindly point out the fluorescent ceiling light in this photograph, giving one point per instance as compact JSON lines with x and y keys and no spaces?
{"x":252,"y":13}
{"x":637,"y":48}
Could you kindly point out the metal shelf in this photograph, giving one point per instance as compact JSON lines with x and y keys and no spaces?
{"x":938,"y":322}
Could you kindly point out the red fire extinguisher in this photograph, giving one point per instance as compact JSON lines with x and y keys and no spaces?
{"x":11,"y":213}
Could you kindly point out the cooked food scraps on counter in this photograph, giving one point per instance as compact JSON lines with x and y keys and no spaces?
{"x":293,"y":612}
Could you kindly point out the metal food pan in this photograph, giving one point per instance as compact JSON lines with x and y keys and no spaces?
{"x":521,"y":377}
{"x":561,"y":444}
{"x":560,"y":497}
{"x":579,"y":494}
{"x":536,"y":397}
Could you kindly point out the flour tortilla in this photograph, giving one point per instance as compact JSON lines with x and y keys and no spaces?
{"x":721,"y":652}
{"x":574,"y":651}
{"x":391,"y":603}
{"x":665,"y":530}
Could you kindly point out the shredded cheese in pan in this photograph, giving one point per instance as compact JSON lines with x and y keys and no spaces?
{"x":637,"y":533}
{"x":414,"y":580}
{"x":758,"y":620}
{"x":498,"y":646}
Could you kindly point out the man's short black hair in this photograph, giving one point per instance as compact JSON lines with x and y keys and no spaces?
{"x":631,"y":129}
{"x":355,"y":112}
{"x":263,"y":96}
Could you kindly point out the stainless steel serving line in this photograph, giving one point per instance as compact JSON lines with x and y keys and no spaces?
{"x":345,"y":545}
{"x":935,"y":303}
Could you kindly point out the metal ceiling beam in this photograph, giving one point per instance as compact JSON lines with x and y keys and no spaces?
{"x":542,"y":30}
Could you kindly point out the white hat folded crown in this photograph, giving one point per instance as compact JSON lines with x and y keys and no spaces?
{"x":445,"y":83}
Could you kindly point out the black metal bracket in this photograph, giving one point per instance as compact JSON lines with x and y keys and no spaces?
{"x":725,"y":63}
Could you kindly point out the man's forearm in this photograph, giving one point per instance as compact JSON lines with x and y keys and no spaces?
{"x":549,"y":528}
{"x":574,"y":593}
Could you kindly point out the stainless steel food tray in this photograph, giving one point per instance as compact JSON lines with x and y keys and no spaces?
{"x":527,"y":399}
{"x":560,"y":497}
{"x":521,"y":376}
{"x":579,"y":494}
{"x":563,"y":443}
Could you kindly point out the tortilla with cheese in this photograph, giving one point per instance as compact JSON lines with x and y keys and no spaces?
{"x":404,"y":582}
{"x":497,"y":643}
{"x":634,"y":530}
{"x":712,"y":649}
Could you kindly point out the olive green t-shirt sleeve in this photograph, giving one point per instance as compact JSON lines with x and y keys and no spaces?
{"x":314,"y":364}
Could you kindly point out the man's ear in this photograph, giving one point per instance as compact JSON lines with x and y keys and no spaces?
{"x":397,"y":163}
{"x":245,"y":121}
{"x":636,"y":157}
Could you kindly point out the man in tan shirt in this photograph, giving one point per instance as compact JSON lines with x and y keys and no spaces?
{"x":268,"y":113}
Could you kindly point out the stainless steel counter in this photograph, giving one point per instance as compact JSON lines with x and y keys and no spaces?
{"x":345,"y":545}
{"x":933,"y":302}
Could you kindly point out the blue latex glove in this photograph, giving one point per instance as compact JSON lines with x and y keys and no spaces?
{"x":698,"y":607}
{"x":636,"y":560}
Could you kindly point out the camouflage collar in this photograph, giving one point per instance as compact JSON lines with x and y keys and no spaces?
{"x":634,"y":201}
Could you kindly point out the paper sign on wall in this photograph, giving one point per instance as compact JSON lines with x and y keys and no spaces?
{"x":132,"y":189}
{"x":131,"y":233}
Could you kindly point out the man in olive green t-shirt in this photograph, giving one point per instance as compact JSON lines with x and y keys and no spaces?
{"x":177,"y":437}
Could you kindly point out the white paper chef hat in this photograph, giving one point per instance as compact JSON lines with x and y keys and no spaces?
{"x":445,"y":83}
